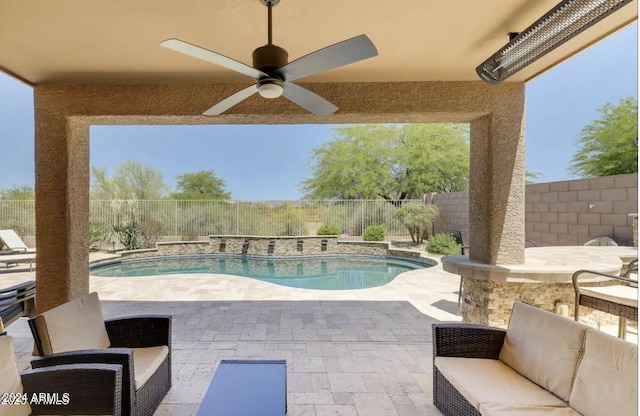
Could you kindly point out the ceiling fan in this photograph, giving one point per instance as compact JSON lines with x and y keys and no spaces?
{"x":274,"y":73}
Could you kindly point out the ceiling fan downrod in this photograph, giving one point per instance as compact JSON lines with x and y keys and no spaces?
{"x":269,"y":57}
{"x":270,"y":5}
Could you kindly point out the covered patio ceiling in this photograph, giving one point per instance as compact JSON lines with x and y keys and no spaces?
{"x":116,"y":41}
{"x":99,"y":62}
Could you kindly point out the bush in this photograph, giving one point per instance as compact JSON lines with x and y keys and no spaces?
{"x":289,"y":219}
{"x":328,"y":229}
{"x":150,"y":233}
{"x":444,"y":243}
{"x":190,"y":235}
{"x":374,"y":233}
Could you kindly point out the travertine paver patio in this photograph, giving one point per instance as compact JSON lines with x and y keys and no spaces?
{"x":361,"y":352}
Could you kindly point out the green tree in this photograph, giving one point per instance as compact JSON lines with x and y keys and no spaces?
{"x":202,"y":185}
{"x":21,"y":193}
{"x":394,"y":162}
{"x":131,"y":180}
{"x":609,"y":146}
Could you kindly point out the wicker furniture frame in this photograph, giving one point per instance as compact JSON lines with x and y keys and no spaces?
{"x":125,"y":334}
{"x":461,"y":340}
{"x":17,"y":301}
{"x":93,"y":389}
{"x":624,"y":312}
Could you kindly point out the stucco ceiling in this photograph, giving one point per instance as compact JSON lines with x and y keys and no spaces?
{"x":116,"y":41}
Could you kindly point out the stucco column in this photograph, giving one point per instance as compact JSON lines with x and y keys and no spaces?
{"x":62,"y":205}
{"x":496,"y":189}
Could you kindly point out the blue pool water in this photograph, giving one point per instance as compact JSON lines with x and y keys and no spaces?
{"x":326,"y":272}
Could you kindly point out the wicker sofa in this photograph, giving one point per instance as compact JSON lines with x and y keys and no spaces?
{"x":76,"y":332}
{"x":543,"y":364}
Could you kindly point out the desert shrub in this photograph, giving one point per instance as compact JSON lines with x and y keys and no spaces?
{"x":352,"y":217}
{"x":328,"y":229}
{"x":374,"y":233}
{"x":150,"y":233}
{"x":189,"y":235}
{"x":444,"y":243}
{"x":289,"y":220}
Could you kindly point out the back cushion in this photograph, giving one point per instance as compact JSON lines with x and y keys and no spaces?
{"x":543,"y":347}
{"x":607,"y":378}
{"x":75,"y":325}
{"x":10,"y":381}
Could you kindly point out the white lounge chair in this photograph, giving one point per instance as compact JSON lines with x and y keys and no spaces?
{"x":9,"y":259}
{"x":13,"y":242}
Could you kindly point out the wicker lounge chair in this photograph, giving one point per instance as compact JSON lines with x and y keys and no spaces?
{"x":620,"y":299}
{"x":71,"y":389}
{"x":76,"y":332}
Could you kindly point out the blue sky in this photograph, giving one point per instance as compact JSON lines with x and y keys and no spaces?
{"x":269,"y":162}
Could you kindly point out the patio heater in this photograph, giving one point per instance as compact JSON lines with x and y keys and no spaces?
{"x":566,"y":20}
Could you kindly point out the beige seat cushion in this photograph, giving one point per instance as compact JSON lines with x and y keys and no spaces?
{"x":624,"y":295}
{"x":10,"y":381}
{"x":497,"y":409}
{"x":146,"y":361}
{"x":607,"y":377}
{"x":543,"y":347}
{"x":483,"y":381}
{"x":75,"y":325}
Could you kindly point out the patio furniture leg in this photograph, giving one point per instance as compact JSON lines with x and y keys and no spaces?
{"x":458,"y":311}
{"x":622,"y":328}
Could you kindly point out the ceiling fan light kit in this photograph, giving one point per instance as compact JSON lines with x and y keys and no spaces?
{"x":565,"y":21}
{"x":273,"y":72}
{"x":270,"y":88}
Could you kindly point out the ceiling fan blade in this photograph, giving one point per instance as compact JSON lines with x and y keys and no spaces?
{"x":231,"y":100}
{"x":308,"y":100}
{"x":343,"y":53}
{"x":210,"y":56}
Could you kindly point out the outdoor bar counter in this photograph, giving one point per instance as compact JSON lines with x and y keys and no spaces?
{"x":544,"y":280}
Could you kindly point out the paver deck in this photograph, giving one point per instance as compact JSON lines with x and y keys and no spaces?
{"x":361,"y":352}
{"x":358,"y":352}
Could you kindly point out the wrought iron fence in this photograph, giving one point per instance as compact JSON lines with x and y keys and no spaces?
{"x":193,"y":218}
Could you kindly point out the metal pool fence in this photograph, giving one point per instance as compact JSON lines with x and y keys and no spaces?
{"x":193,"y":218}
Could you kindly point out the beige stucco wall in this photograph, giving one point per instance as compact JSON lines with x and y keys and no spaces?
{"x":64,"y":113}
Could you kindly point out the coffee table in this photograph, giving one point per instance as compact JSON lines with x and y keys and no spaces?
{"x":247,"y":388}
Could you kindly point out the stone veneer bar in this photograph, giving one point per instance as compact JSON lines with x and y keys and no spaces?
{"x":544,"y":280}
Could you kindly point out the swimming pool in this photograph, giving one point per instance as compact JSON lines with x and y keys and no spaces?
{"x":324,"y":272}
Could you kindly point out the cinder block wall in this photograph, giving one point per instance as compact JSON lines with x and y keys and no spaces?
{"x":454,"y":212}
{"x":562,"y":213}
{"x":574,"y":212}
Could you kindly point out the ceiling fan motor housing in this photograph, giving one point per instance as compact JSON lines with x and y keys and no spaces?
{"x":269,"y":57}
